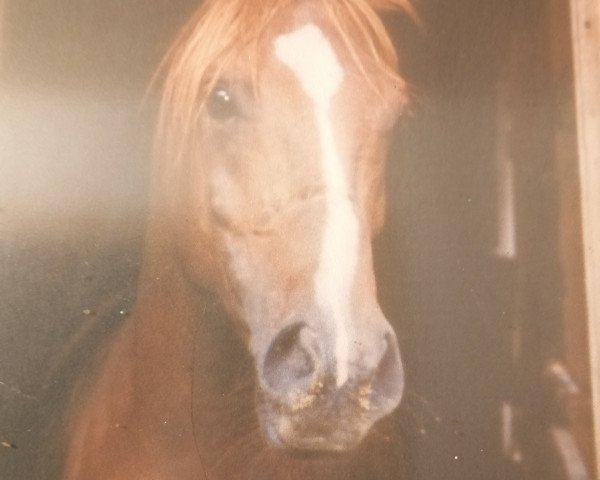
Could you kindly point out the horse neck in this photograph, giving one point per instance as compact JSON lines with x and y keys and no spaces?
{"x":164,"y":323}
{"x":179,"y":328}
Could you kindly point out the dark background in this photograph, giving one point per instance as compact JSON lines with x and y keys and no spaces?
{"x":75,"y":146}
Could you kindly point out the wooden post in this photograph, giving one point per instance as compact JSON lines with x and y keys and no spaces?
{"x":585,"y":27}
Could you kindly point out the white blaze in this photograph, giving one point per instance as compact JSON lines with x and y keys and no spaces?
{"x":309,"y":54}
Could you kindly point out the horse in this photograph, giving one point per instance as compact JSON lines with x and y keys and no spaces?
{"x":257,"y":348}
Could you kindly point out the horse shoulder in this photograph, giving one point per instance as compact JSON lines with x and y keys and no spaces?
{"x":101,"y":430}
{"x":115,"y":438}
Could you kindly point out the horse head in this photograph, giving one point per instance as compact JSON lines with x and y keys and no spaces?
{"x":276,"y":122}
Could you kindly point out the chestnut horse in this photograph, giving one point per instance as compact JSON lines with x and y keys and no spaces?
{"x":257,"y":348}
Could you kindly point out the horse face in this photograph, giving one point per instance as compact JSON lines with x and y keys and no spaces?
{"x":294,"y":185}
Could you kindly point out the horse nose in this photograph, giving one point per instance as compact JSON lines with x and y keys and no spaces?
{"x":295,"y":364}
{"x":292,"y":361}
{"x":386,"y":383}
{"x":303,"y":405}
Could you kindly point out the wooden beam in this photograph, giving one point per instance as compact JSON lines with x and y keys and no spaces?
{"x":585,"y":28}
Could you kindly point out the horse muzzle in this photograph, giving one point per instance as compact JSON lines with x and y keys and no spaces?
{"x":302,"y":405}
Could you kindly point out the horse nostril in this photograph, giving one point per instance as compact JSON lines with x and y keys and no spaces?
{"x":291,"y":360}
{"x":387,"y":384}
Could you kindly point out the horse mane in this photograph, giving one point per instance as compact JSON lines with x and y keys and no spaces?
{"x":221,"y":29}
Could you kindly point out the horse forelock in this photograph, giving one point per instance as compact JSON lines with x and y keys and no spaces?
{"x":223,"y":30}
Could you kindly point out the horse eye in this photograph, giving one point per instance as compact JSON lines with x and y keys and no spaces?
{"x":221,"y":105}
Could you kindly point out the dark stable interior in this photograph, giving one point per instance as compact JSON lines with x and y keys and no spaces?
{"x":76,"y":141}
